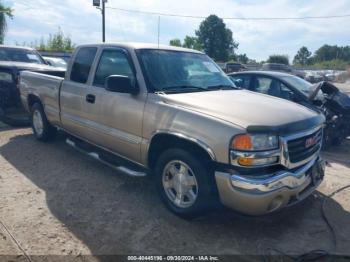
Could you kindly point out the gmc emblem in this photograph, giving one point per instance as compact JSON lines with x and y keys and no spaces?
{"x":310,"y":142}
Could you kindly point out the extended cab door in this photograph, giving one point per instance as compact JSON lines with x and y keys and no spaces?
{"x":117,"y":120}
{"x":76,"y":99}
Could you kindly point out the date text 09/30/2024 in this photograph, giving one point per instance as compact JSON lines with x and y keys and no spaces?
{"x":173,"y":258}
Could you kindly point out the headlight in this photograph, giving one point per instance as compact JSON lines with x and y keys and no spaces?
{"x":254,"y":150}
{"x":258,"y":142}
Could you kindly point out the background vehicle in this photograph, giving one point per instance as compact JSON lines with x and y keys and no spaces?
{"x":276,"y":67}
{"x":328,"y":100}
{"x":231,"y":67}
{"x":336,"y":107}
{"x":313,"y":77}
{"x":55,"y":62}
{"x":12,"y":61}
{"x":172,"y":112}
{"x":234,"y":67}
{"x":282,"y":68}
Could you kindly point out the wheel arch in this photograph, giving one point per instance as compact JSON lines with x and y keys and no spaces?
{"x":32,"y":99}
{"x":163,"y":140}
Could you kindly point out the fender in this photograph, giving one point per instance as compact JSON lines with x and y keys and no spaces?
{"x":185,"y":137}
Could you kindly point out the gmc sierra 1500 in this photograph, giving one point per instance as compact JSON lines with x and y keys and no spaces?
{"x":172,"y":112}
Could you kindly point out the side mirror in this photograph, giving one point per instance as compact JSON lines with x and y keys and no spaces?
{"x":121,"y":84}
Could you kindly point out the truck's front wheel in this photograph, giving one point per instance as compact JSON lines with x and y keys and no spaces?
{"x":42,"y":129}
{"x":185,"y":183}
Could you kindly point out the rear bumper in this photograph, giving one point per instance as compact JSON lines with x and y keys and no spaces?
{"x":261,"y":194}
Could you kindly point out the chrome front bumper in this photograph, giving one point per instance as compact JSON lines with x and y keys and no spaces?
{"x":260,"y":194}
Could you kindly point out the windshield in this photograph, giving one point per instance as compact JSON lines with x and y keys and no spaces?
{"x":174,"y":71}
{"x":298,"y":83}
{"x":20,"y":55}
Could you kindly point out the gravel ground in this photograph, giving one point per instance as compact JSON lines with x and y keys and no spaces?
{"x":57,"y":201}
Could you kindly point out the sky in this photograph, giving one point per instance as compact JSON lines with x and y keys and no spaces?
{"x":36,"y":19}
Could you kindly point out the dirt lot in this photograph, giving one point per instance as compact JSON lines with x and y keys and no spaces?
{"x":54,"y":201}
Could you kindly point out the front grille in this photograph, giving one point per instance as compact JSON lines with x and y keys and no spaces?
{"x":304,"y":147}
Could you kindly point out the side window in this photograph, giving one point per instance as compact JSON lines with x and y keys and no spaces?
{"x":262,"y":85}
{"x":82,"y":64}
{"x":241,"y":81}
{"x":112,"y":62}
{"x":286,"y":93}
{"x":273,"y":87}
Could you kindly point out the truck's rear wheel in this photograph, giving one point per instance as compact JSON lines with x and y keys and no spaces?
{"x":185,"y":183}
{"x":42,"y":129}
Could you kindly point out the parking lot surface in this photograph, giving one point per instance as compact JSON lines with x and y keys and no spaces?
{"x":55,"y":201}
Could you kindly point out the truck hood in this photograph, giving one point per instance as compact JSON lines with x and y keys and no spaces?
{"x":252,"y":111}
{"x":29,"y":66}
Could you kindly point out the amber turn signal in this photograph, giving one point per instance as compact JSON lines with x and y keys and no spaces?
{"x":245,"y":161}
{"x":242,"y":142}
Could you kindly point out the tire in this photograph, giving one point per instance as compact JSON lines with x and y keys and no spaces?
{"x":42,"y":129}
{"x":202,"y":186}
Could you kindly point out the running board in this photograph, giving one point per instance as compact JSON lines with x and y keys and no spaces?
{"x":96,"y":156}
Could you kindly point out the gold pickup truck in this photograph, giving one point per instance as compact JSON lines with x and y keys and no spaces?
{"x":172,"y":113}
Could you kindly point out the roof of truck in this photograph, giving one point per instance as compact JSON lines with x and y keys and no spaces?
{"x":134,"y":45}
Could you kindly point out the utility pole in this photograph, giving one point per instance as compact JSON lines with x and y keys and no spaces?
{"x":103,"y":21}
{"x":97,"y":4}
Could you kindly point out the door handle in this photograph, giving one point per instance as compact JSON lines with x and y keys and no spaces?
{"x":90,"y":98}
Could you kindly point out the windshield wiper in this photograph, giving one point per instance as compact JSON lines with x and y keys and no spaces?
{"x":182,"y":88}
{"x":222,"y":87}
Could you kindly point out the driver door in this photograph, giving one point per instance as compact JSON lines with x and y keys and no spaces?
{"x":118,"y":122}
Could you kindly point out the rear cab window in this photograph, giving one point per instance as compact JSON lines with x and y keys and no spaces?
{"x":82,"y":64}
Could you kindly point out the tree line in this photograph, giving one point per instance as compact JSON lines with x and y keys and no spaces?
{"x":327,"y":56}
{"x":56,"y":42}
{"x":331,"y":56}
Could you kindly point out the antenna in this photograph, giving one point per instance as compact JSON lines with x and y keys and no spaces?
{"x":158,"y":29}
{"x":158,"y":39}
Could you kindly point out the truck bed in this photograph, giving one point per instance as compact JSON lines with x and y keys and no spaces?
{"x":44,"y":85}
